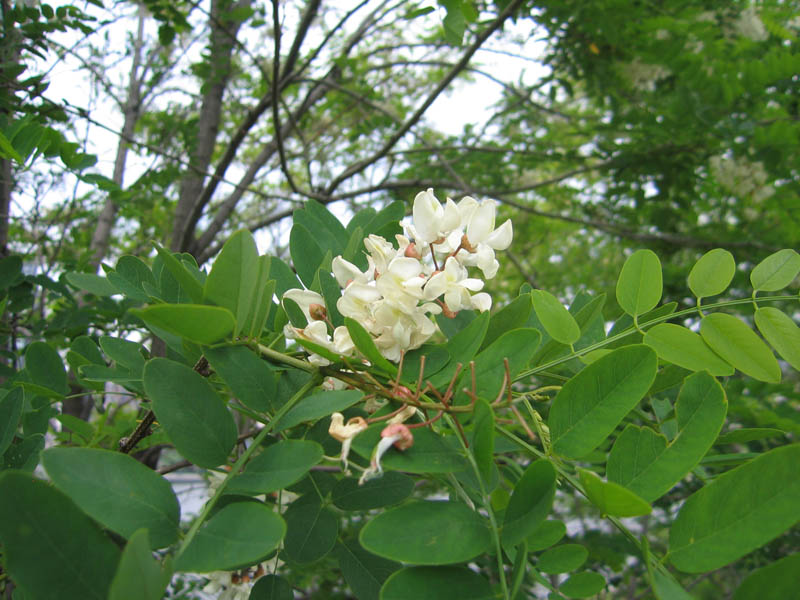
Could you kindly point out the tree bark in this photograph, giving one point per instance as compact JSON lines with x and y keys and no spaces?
{"x":131,"y":111}
{"x":222,"y":38}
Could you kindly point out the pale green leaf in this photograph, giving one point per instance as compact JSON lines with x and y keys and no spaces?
{"x":776,"y":271}
{"x":781,"y":332}
{"x":639,"y":286}
{"x":739,"y":345}
{"x":712,"y":274}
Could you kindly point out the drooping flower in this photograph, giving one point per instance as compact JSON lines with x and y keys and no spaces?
{"x":345,"y":433}
{"x":395,"y":434}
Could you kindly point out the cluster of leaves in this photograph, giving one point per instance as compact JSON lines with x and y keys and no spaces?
{"x":527,"y":410}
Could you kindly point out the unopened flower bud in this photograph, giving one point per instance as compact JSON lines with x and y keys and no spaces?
{"x":318,"y":312}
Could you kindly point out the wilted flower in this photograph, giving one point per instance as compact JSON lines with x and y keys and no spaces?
{"x":345,"y":433}
{"x":395,"y":434}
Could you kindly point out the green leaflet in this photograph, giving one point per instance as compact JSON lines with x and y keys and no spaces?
{"x":530,"y":502}
{"x":776,"y":271}
{"x":776,"y":581}
{"x":277,"y":467}
{"x":591,"y":404}
{"x":250,"y":378}
{"x":685,"y":348}
{"x":427,"y":533}
{"x":643,"y":461}
{"x":198,"y":323}
{"x":190,"y":411}
{"x":40,"y":526}
{"x":239,"y":534}
{"x":611,"y":498}
{"x":712,"y":274}
{"x":781,"y":332}
{"x":365,"y":573}
{"x":139,"y":571}
{"x":639,"y":286}
{"x":233,"y":277}
{"x":739,"y":511}
{"x":435,"y":583}
{"x":116,"y":490}
{"x":739,"y":345}
{"x":311,"y":529}
{"x":562,"y":559}
{"x":556,"y":319}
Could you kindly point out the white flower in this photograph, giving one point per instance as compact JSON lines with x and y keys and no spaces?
{"x":455,"y":284}
{"x":749,"y":25}
{"x":346,"y":272}
{"x":431,"y":221}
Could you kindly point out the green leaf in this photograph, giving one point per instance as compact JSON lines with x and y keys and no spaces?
{"x":518,"y":346}
{"x":125,"y":353}
{"x":557,"y":321}
{"x":285,"y":278}
{"x":429,"y":454}
{"x":46,"y":369}
{"x":776,"y":271}
{"x":611,"y":498}
{"x":253,"y":325}
{"x":317,"y":406}
{"x":239,"y":534}
{"x":427,"y":533}
{"x":307,"y":255}
{"x":562,"y":559}
{"x":128,"y":276}
{"x":740,"y":510}
{"x":776,"y":581}
{"x":197,"y":323}
{"x":742,"y":436}
{"x":512,"y":316}
{"x":271,"y":587}
{"x":24,"y":455}
{"x":547,"y":534}
{"x":435,"y":583}
{"x":311,"y":529}
{"x":643,"y":461}
{"x":8,"y":151}
{"x":94,"y":284}
{"x":366,"y":345}
{"x":666,"y":587}
{"x":233,"y":277}
{"x":739,"y":345}
{"x":40,"y":527}
{"x":712,"y":274}
{"x":454,"y":22}
{"x":483,"y":438}
{"x":583,"y":585}
{"x":640,"y":286}
{"x":139,"y":571}
{"x":328,"y":231}
{"x":278,"y":466}
{"x":116,"y":490}
{"x":365,"y":573}
{"x":250,"y":378}
{"x":187,"y":281}
{"x":390,"y":489}
{"x":190,"y":411}
{"x":590,"y":405}
{"x":530,"y":502}
{"x":781,"y":332}
{"x":10,"y":412}
{"x":686,"y":349}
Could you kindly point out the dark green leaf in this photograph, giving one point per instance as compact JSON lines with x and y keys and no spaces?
{"x":363,"y":572}
{"x":10,"y":412}
{"x":94,"y":284}
{"x":390,"y":489}
{"x":318,"y":405}
{"x":139,"y":571}
{"x":239,"y":534}
{"x":124,"y":352}
{"x":590,"y":405}
{"x":116,"y":490}
{"x":190,"y":411}
{"x":483,"y":438}
{"x":307,"y":255}
{"x":562,"y":559}
{"x":277,"y":467}
{"x":185,"y":279}
{"x":583,"y":585}
{"x":518,"y":346}
{"x":512,"y":316}
{"x":530,"y":502}
{"x":436,"y":583}
{"x":547,"y":534}
{"x":271,"y":587}
{"x":250,"y":378}
{"x":742,"y":436}
{"x":41,"y":527}
{"x":427,"y":533}
{"x":24,"y":454}
{"x":45,"y":368}
{"x":311,"y":530}
{"x":739,"y":511}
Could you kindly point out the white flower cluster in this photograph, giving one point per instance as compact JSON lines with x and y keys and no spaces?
{"x":237,"y":585}
{"x":748,"y":24}
{"x":644,"y":76}
{"x":426,"y":274}
{"x":741,"y":177}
